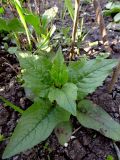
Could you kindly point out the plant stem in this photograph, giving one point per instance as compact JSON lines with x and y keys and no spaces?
{"x":114,"y":78}
{"x":12,"y":105}
{"x":101,"y":23}
{"x":75,"y":25}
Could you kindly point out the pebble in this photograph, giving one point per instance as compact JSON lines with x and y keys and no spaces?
{"x":117,"y":115}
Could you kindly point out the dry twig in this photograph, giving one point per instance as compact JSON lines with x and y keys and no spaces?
{"x":101,"y":23}
{"x":75,"y":25}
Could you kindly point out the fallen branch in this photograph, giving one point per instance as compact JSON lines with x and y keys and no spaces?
{"x":114,"y":78}
{"x":101,"y":23}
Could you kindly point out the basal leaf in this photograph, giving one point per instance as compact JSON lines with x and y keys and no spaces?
{"x":59,"y":72}
{"x":63,"y":132}
{"x":36,"y":73}
{"x":90,"y":75}
{"x":35,"y":125}
{"x":65,"y":97}
{"x":94,"y":117}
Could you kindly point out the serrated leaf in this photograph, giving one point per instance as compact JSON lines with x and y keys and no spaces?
{"x":69,"y":6}
{"x":90,"y":75}
{"x":94,"y":117}
{"x":59,"y":72}
{"x":63,"y":132}
{"x":65,"y":97}
{"x":36,"y":73}
{"x":35,"y":125}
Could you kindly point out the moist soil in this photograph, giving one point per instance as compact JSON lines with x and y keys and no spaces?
{"x":86,"y":144}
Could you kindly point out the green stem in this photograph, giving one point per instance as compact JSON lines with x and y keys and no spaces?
{"x":16,"y":108}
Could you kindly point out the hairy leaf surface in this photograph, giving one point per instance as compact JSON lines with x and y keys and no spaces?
{"x":59,"y":72}
{"x":94,"y":117}
{"x":89,"y":75}
{"x":65,"y":97}
{"x":36,"y":73}
{"x":35,"y":125}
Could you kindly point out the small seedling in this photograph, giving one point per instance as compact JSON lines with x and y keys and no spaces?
{"x":113,"y":10}
{"x":1,"y":137}
{"x":109,"y":157}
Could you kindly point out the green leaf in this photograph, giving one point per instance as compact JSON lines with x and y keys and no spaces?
{"x":63,"y":132}
{"x":117,"y":17}
{"x":59,"y":72}
{"x":69,"y":6}
{"x":65,"y":97}
{"x":36,"y":73}
{"x":35,"y":125}
{"x":22,"y":18}
{"x":3,"y":25}
{"x":2,"y":138}
{"x":15,"y":25}
{"x":109,"y":157}
{"x":33,"y":20}
{"x":88,"y":75}
{"x":49,"y":14}
{"x":112,"y":5}
{"x":94,"y":117}
{"x":12,"y":50}
{"x":14,"y":107}
{"x":2,"y":10}
{"x":112,"y":8}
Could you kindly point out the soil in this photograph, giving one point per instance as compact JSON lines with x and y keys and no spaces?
{"x":86,"y":144}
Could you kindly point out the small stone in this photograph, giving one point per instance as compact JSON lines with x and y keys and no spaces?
{"x":117,"y":115}
{"x":66,"y":144}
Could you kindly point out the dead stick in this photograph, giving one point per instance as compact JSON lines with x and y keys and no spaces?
{"x":114,"y":78}
{"x":75,"y":25}
{"x":101,"y":23}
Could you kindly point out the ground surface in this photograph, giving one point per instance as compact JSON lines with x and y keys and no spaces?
{"x":87,"y":144}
